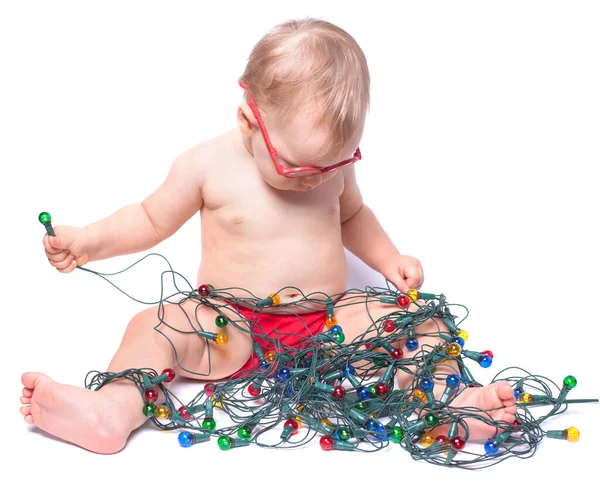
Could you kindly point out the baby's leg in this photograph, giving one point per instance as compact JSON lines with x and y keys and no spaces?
{"x":101,"y":421}
{"x":498,"y":396}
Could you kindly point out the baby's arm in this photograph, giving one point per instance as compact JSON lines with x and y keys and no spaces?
{"x":140,"y":226}
{"x":363,"y":235}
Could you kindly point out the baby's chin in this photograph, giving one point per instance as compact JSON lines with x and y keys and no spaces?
{"x":293,"y":186}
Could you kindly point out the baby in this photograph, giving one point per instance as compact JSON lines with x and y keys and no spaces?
{"x":278,"y":201}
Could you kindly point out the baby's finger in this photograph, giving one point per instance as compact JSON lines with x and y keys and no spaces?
{"x":70,"y":268}
{"x":48,"y":247}
{"x":62,"y":264}
{"x":61,"y":256}
{"x":402,"y":286}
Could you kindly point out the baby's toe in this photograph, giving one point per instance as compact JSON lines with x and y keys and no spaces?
{"x":505,"y":393}
{"x":508,"y":416}
{"x":25,"y":400}
{"x":27,"y":392}
{"x":29,"y":419}
{"x":29,"y":379}
{"x":25,"y":410}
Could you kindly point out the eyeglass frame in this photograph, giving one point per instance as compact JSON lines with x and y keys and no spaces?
{"x":289,"y":171}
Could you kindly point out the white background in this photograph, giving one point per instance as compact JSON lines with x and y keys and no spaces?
{"x":480,"y":158}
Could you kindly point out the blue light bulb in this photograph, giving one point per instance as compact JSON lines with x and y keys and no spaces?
{"x":485,"y":360}
{"x":349,"y":369}
{"x":363,"y":393}
{"x":380,"y":429}
{"x":490,"y":447}
{"x":518,"y":391}
{"x":263,"y":365}
{"x":285,"y":373}
{"x":452,"y":380}
{"x":458,"y":340}
{"x":289,"y":391}
{"x":335,"y":329}
{"x":412,"y":343}
{"x":371,"y":425}
{"x":185,"y":439}
{"x":426,"y":384}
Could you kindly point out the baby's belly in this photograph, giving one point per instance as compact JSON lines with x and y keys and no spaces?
{"x":293,"y":267}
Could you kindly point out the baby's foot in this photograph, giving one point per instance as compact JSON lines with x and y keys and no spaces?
{"x":497,"y":397}
{"x":87,"y":418}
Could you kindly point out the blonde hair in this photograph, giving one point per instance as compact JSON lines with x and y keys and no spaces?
{"x":312,"y":59}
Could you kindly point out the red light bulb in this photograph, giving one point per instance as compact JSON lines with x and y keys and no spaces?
{"x":204,"y":290}
{"x":403,"y":301}
{"x":150,"y":395}
{"x":185,"y":414}
{"x":339,"y":392}
{"x":291,"y":423}
{"x":253,"y":390}
{"x":397,"y":354}
{"x":489,"y":353}
{"x":388,"y":326}
{"x":381,"y":389}
{"x":457,"y":443}
{"x":169,"y":373}
{"x":209,"y":389}
{"x":326,"y":443}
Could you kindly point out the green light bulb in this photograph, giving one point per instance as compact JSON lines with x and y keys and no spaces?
{"x":149,"y":409}
{"x":396,"y":434}
{"x":339,"y":337}
{"x":245,"y":432}
{"x":45,"y":218}
{"x":224,"y":443}
{"x":372,"y":391}
{"x":344,"y":433}
{"x":431,"y":419}
{"x":209,"y":423}
{"x":570,"y":382}
{"x":221,"y":321}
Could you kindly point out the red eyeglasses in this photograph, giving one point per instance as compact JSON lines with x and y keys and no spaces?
{"x":293,"y":172}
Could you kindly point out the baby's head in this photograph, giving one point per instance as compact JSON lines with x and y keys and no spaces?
{"x":310,"y":83}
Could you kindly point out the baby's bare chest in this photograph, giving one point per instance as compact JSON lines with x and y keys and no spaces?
{"x":244,"y":206}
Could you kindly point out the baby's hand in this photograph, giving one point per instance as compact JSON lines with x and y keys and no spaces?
{"x":68,"y":249}
{"x":404,"y":271}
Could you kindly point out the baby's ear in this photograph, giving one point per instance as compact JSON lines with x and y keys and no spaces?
{"x":246,"y":120}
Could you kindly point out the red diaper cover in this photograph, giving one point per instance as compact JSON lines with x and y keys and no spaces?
{"x":288,"y":329}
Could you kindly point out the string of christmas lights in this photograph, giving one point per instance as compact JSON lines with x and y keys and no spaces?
{"x":343,"y":391}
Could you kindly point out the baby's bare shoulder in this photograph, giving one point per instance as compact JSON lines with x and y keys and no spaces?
{"x":203,"y":159}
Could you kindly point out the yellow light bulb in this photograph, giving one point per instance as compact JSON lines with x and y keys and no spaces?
{"x":572,"y":434}
{"x":221,"y":339}
{"x":326,"y":422}
{"x":427,"y":440}
{"x":525,"y":397}
{"x":463,"y":334}
{"x":330,"y":321}
{"x":218,"y":404}
{"x":413,"y":294}
{"x":419,"y":395}
{"x":270,"y":356}
{"x":454,"y":349}
{"x":162,"y":412}
{"x":275,"y":299}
